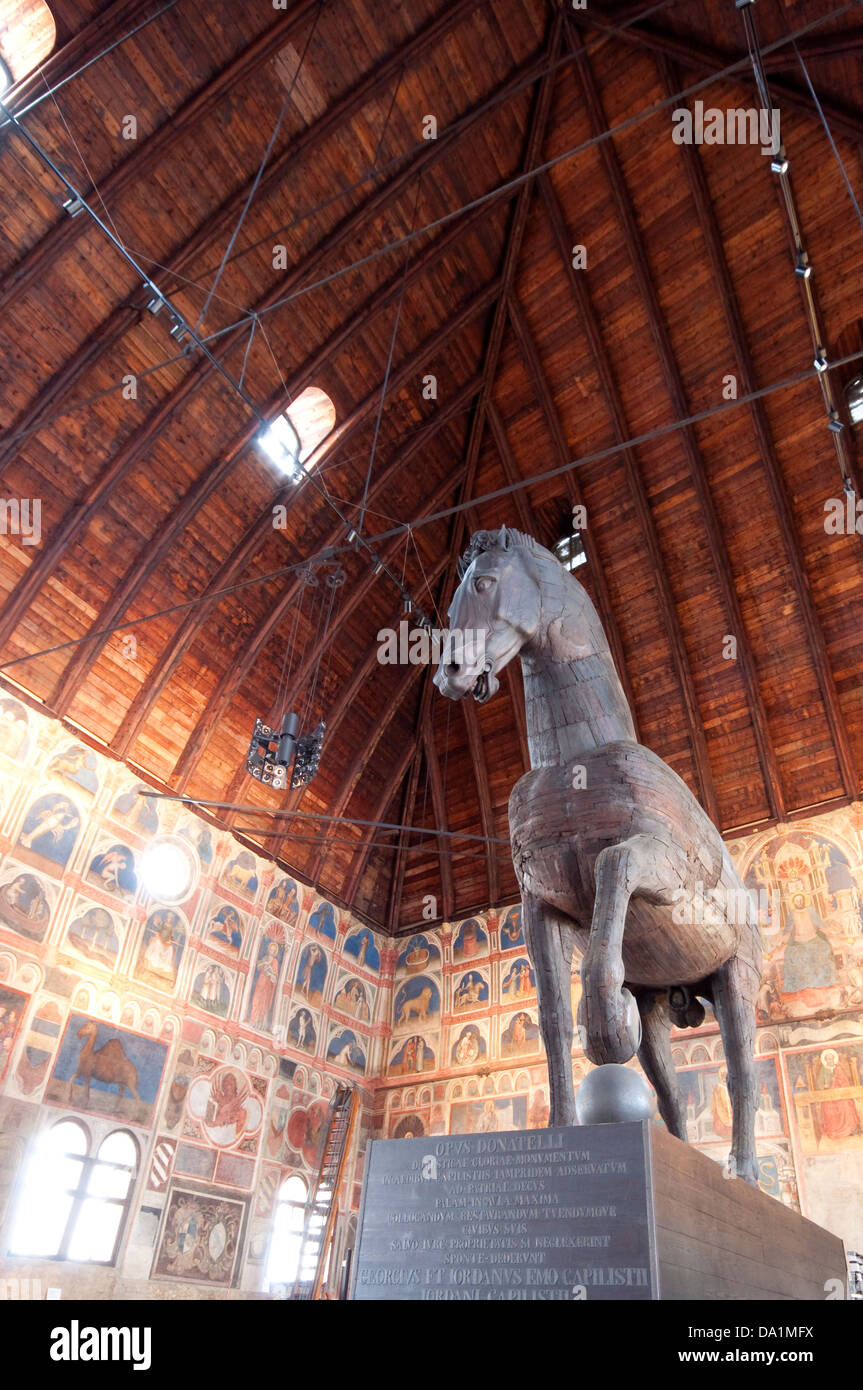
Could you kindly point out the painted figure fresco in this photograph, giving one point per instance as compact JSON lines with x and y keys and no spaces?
{"x":520,"y":1036}
{"x":537,"y":1115}
{"x":412,"y":1056}
{"x":419,"y":952}
{"x":201,"y":1239}
{"x":93,"y":933}
{"x":311,"y":974}
{"x":161,"y":950}
{"x":14,"y":726}
{"x":199,"y":836}
{"x":352,"y":999}
{"x":488,"y":1115}
{"x":77,"y":764}
{"x":470,"y":940}
{"x":241,"y":874}
{"x":113,"y":869}
{"x":212,"y":988}
{"x":139,"y":812}
{"x":283,"y":901}
{"x":40,"y":1044}
{"x":468,"y":1047}
{"x":511,"y":934}
{"x":51,"y":827}
{"x":178,"y":1090}
{"x":518,"y":980}
{"x":827,"y":1095}
{"x":708,"y":1103}
{"x":227,"y":1106}
{"x":224,"y":930}
{"x":307,"y":1129}
{"x":417,"y":1001}
{"x":344,"y":1049}
{"x":12,"y":1007}
{"x":301,"y":1031}
{"x":323,"y":921}
{"x":107,"y":1070}
{"x":278,"y":1121}
{"x":265,"y":979}
{"x":25,"y":906}
{"x":470,"y":992}
{"x":361,"y":945}
{"x":811,"y":918}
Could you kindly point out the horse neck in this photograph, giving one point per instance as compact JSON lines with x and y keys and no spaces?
{"x":573,"y":697}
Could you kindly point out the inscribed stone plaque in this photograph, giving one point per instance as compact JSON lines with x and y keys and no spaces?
{"x":530,"y":1214}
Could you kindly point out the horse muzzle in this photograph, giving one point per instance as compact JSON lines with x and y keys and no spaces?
{"x":455,"y":681}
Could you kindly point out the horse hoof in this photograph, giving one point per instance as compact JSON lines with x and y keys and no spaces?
{"x":612,"y":1033}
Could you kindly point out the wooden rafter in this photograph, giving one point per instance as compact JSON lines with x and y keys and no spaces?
{"x":562,"y":456}
{"x":668,"y":607}
{"x":255,"y":535}
{"x":236,"y":673}
{"x":143,"y":439}
{"x":787,"y":525}
{"x":160,"y":547}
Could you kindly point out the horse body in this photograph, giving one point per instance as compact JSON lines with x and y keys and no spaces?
{"x":611,"y":849}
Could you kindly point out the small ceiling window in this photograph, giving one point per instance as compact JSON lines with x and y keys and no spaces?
{"x":27,"y":36}
{"x":570,"y":551}
{"x":854,"y":399}
{"x":293,"y":437}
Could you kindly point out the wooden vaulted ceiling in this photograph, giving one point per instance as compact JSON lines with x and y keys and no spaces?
{"x":700,"y":532}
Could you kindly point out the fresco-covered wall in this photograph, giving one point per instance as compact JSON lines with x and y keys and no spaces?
{"x":229,"y":1016}
{"x":465,"y":1052}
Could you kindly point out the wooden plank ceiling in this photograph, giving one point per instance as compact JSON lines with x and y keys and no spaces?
{"x":700,"y":532}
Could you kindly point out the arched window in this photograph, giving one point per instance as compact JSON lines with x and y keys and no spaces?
{"x":283,"y":1260}
{"x":74,"y":1203}
{"x":27,"y":35}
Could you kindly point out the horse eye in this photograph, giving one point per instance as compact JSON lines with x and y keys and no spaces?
{"x":483,"y":583}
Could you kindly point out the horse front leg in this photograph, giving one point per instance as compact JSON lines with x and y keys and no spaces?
{"x":732,"y":990}
{"x":608,"y":1019}
{"x":549,"y":945}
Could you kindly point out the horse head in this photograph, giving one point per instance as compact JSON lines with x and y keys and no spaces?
{"x":495,"y":610}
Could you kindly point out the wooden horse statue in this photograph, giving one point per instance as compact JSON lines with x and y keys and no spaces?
{"x":612,"y":852}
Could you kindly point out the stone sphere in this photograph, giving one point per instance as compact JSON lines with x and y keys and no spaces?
{"x":612,"y":1094}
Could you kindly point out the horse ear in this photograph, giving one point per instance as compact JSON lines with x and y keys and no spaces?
{"x":503,"y":538}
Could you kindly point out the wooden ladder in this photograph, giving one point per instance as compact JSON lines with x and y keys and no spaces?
{"x":320,"y":1226}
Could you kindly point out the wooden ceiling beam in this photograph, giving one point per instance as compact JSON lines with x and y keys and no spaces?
{"x":842,"y":120}
{"x":250,"y":542}
{"x":438,"y":794}
{"x":784,"y":511}
{"x":352,"y":881}
{"x":531,"y":155}
{"x":186,"y":762}
{"x":577,"y":282}
{"x":563,"y":456}
{"x":138,"y":165}
{"x":145,"y":436}
{"x":128,"y":315}
{"x":526,"y":519}
{"x":142,"y":568}
{"x":102,"y":29}
{"x":232,"y":680}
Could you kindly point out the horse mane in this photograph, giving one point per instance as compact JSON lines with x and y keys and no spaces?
{"x":503,"y":539}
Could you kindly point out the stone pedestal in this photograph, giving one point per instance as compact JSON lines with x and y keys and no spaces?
{"x":610,"y":1212}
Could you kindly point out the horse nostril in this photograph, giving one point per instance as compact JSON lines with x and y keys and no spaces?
{"x":452,"y":669}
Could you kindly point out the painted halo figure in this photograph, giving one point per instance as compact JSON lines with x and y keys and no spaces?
{"x":608,"y":844}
